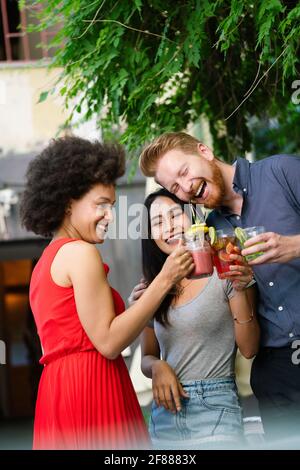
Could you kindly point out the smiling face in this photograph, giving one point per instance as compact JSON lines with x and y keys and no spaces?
{"x":88,"y":217}
{"x":192,"y":176}
{"x":167,"y":220}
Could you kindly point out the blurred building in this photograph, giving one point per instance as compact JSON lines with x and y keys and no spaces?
{"x":26,"y":126}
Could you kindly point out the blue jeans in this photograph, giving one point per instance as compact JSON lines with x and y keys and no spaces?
{"x":210,"y":418}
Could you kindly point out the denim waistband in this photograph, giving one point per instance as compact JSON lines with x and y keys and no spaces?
{"x":208,"y":385}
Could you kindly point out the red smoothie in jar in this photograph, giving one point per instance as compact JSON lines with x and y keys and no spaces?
{"x":203,"y":263}
{"x":200,"y":250}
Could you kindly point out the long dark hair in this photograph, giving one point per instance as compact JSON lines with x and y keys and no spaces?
{"x":153,"y":258}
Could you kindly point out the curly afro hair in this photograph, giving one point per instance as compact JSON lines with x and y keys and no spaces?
{"x":67,"y":169}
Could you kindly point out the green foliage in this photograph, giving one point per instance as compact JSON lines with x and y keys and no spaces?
{"x":22,"y":4}
{"x":43,"y":96}
{"x":279,"y":135}
{"x":156,"y":65}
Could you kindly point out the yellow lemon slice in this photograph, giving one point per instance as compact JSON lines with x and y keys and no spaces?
{"x":197,"y":228}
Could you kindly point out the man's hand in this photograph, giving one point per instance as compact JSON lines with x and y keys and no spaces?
{"x":276,"y":248}
{"x":137,"y":291}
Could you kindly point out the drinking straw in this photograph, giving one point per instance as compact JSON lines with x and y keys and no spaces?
{"x":197,"y":218}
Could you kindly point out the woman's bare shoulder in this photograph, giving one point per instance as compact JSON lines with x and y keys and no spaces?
{"x":80,"y":251}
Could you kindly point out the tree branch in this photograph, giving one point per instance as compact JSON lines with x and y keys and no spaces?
{"x":249,"y":94}
{"x":130,"y":27}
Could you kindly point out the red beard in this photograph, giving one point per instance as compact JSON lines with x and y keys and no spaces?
{"x":216,"y":195}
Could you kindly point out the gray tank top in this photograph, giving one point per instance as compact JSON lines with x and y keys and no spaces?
{"x":200,"y":342}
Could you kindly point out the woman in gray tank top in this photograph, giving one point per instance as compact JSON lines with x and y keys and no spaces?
{"x":189,"y":348}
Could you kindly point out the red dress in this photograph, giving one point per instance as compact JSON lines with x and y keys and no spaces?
{"x":85,"y":401}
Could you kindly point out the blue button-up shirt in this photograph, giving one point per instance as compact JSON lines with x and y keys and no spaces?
{"x":271,"y":197}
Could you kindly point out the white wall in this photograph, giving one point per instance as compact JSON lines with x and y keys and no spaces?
{"x":25,"y":124}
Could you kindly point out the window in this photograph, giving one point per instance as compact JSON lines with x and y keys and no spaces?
{"x":15,"y":43}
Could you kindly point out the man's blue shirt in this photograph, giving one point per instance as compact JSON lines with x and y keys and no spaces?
{"x":271,"y":197}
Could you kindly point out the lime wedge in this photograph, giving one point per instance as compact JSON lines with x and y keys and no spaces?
{"x":212,"y":235}
{"x":240,"y":235}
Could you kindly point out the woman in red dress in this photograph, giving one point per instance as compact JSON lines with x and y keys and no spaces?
{"x":86,"y":399}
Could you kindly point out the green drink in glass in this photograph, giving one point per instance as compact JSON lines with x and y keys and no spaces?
{"x":244,"y":234}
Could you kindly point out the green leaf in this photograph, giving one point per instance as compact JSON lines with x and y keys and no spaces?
{"x":138,"y":4}
{"x":63,"y":90}
{"x":43,"y":96}
{"x":21,"y":4}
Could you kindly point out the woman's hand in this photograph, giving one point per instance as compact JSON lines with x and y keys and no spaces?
{"x":137,"y":291}
{"x":167,"y":390}
{"x":178,"y":265}
{"x":241,"y":273}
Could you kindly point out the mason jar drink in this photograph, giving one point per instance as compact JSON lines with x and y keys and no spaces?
{"x":201,"y":253}
{"x":244,"y":234}
{"x":224,"y":245}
